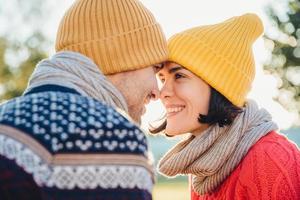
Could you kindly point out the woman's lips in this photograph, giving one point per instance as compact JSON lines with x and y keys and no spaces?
{"x":173,"y":110}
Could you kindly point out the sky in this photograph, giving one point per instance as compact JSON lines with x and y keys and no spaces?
{"x":178,"y":15}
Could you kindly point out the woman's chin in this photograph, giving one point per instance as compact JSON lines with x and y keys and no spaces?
{"x":173,"y":131}
{"x":170,"y":131}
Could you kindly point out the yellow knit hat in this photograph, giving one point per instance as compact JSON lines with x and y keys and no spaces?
{"x":220,"y":54}
{"x":118,"y":35}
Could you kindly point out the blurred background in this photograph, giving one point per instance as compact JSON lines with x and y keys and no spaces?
{"x":28,"y":31}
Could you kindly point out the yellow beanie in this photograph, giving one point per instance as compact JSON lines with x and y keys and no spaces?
{"x":118,"y":35}
{"x":220,"y":54}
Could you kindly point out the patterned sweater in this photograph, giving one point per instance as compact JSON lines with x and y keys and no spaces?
{"x":57,"y":144}
{"x":270,"y":171}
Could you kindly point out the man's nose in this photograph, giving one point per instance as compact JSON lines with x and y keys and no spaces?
{"x":155,"y":91}
{"x":155,"y":94}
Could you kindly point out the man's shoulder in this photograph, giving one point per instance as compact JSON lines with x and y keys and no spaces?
{"x":68,"y":122}
{"x":64,"y":139}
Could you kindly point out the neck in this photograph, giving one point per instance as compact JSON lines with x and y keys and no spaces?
{"x":200,"y":130}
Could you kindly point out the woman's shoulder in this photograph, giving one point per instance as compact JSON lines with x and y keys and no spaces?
{"x":273,"y":162}
{"x":272,"y":150}
{"x":276,"y":147}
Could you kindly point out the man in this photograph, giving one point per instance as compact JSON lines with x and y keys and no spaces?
{"x":69,"y":135}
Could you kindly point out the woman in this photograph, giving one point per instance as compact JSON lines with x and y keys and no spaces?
{"x":233,"y":151}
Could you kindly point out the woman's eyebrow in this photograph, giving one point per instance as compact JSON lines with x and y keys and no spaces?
{"x":175,"y":69}
{"x":171,"y":71}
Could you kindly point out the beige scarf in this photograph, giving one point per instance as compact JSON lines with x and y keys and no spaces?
{"x":213,"y":155}
{"x":76,"y":71}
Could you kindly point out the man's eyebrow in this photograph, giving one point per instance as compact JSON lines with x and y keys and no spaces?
{"x":158,"y":67}
{"x":162,"y":65}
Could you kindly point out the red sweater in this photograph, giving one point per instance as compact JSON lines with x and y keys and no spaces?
{"x":270,"y":170}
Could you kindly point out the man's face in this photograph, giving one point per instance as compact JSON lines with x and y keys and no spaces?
{"x":138,"y":88}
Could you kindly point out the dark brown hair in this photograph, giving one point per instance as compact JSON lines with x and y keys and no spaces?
{"x":221,"y":111}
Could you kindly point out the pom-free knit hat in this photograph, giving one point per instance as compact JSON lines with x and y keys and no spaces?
{"x":220,"y":54}
{"x":118,"y":35}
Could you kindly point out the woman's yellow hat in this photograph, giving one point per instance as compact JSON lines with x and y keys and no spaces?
{"x":220,"y":54}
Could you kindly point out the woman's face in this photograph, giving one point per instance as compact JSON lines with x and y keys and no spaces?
{"x":184,"y":96}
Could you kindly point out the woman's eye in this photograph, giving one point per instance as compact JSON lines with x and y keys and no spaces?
{"x":178,"y":76}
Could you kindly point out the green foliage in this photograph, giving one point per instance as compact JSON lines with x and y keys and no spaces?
{"x":5,"y":73}
{"x":22,"y":44}
{"x":284,"y":42}
{"x":13,"y":79}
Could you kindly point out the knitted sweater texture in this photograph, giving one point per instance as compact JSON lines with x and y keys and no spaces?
{"x":269,"y":171}
{"x":58,"y":144}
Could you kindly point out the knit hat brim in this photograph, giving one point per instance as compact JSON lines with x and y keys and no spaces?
{"x":143,"y":47}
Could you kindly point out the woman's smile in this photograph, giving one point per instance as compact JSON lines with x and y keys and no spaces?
{"x":174,"y":110}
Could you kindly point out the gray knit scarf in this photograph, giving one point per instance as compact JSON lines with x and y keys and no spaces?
{"x":76,"y":71}
{"x":213,"y":155}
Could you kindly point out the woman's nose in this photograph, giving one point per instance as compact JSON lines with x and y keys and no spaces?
{"x":166,"y":91}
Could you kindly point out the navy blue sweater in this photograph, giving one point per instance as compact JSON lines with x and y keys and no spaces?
{"x":58,"y":144}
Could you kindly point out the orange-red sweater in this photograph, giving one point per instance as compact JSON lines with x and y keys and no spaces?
{"x":269,"y":171}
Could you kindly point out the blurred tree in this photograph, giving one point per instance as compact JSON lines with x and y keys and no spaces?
{"x":22,"y":44}
{"x":13,"y":79}
{"x":283,"y":39}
